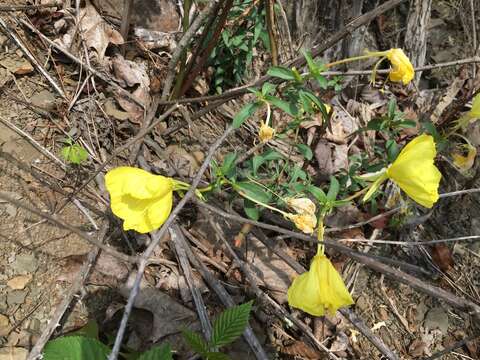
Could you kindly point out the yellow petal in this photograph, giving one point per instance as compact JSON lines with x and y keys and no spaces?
{"x":474,"y":112}
{"x":464,"y":163}
{"x":141,"y":199}
{"x":137,"y":182}
{"x":414,"y":171}
{"x":320,"y":290}
{"x":266,"y":132}
{"x":305,"y":222}
{"x":302,"y":205}
{"x":402,"y":68}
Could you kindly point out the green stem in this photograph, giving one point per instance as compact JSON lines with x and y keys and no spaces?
{"x":356,"y":58}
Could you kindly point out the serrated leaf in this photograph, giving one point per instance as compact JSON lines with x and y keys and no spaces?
{"x":305,"y":151}
{"x":230,"y":324}
{"x":333,"y":189}
{"x":281,"y":72}
{"x":195,"y":341}
{"x":74,"y":154}
{"x":253,"y":191}
{"x":216,"y":356}
{"x":163,"y":352}
{"x":75,"y":348}
{"x":244,"y":114}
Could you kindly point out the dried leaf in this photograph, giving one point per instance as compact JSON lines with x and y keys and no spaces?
{"x":442,"y":256}
{"x":300,"y":349}
{"x":416,"y":348}
{"x":462,"y":162}
{"x":96,"y":32}
{"x":331,"y":157}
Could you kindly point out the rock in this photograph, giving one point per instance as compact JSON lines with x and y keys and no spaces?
{"x":437,"y":318}
{"x":3,"y":303}
{"x":13,"y":353}
{"x":25,"y":264}
{"x":17,"y":66}
{"x":16,"y":297}
{"x":19,"y":282}
{"x":44,"y":99}
{"x":4,"y":325}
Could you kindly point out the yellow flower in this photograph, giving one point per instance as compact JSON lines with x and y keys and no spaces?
{"x":265,"y":133}
{"x":464,"y":163}
{"x":301,"y":205}
{"x":402,"y":68}
{"x":414,"y":172}
{"x":474,"y":112}
{"x":320,"y":290}
{"x":303,"y":221}
{"x":141,"y":199}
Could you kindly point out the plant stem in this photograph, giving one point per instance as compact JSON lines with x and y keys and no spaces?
{"x":356,"y":58}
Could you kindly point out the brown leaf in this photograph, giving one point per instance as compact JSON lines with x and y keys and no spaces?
{"x":300,"y":349}
{"x":416,"y":348}
{"x":330,"y":157}
{"x":442,"y":256}
{"x":96,"y":32}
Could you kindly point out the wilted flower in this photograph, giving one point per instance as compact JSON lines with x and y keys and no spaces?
{"x":414,"y":172}
{"x":470,"y":116}
{"x":301,"y":205}
{"x":306,"y":222}
{"x":319,"y":291}
{"x":464,"y":163}
{"x":265,"y":133}
{"x":142,"y":200}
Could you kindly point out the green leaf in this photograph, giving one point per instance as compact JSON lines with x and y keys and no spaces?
{"x":288,"y":107}
{"x":333,"y":189}
{"x":230,"y":324}
{"x":195,"y":341}
{"x":322,"y":81}
{"x":74,"y":154}
{"x":228,"y":164}
{"x":90,"y":330}
{"x":312,"y":66}
{"x":281,"y":72}
{"x":318,"y":193}
{"x":216,"y":356}
{"x":252,"y":211}
{"x":407,"y":124}
{"x":392,"y":150}
{"x":305,"y":151}
{"x":163,"y":352}
{"x":253,"y":191}
{"x":247,"y":111}
{"x":75,"y":348}
{"x":392,"y":106}
{"x":375,"y":124}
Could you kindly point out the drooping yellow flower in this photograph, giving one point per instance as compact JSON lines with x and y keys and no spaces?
{"x":265,"y":133}
{"x":470,"y":116}
{"x":414,"y":172}
{"x":142,"y":200}
{"x":464,"y":163}
{"x":302,"y":205}
{"x":306,"y":222}
{"x":319,"y":291}
{"x":402,"y":68}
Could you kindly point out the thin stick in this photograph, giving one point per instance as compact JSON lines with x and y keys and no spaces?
{"x":172,"y":65}
{"x":30,"y":57}
{"x":33,"y":142}
{"x":70,"y":228}
{"x":29,"y":7}
{"x":156,"y":239}
{"x":81,"y":277}
{"x":125,"y":25}
{"x":407,"y":243}
{"x":94,"y":72}
{"x":176,"y":236}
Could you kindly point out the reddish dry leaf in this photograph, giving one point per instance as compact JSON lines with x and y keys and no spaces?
{"x":442,"y":256}
{"x":300,"y":349}
{"x":416,"y":348}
